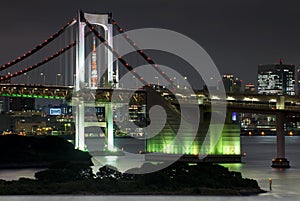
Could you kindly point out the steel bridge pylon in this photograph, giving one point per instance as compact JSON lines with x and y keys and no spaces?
{"x":85,"y":78}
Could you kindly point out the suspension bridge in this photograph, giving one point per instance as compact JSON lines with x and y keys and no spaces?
{"x":77,"y":70}
{"x":85,"y":75}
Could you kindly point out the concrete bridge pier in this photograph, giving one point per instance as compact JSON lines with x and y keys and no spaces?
{"x":280,"y":161}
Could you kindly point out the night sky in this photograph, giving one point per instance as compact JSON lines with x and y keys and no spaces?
{"x":238,"y":35}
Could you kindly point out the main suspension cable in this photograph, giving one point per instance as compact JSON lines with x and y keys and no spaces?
{"x":46,"y":60}
{"x":38,"y":47}
{"x":142,"y":53}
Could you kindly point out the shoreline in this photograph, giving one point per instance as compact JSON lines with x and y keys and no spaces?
{"x":24,"y":165}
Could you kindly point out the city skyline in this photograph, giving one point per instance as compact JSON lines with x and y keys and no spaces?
{"x":70,"y":91}
{"x":237,"y":36}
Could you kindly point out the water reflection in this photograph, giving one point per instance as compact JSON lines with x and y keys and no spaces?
{"x":256,"y":164}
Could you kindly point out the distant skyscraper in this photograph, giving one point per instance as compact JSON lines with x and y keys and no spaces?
{"x":231,"y":83}
{"x":298,"y":81}
{"x":249,"y":88}
{"x":20,"y":104}
{"x":276,"y":79}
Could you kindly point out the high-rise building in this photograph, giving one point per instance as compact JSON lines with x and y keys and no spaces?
{"x":298,"y":81}
{"x":249,"y":88}
{"x":231,"y":83}
{"x":20,"y":104}
{"x":276,"y":79}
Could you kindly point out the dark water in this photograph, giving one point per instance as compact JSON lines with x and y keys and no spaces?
{"x":260,"y":151}
{"x":256,"y":165}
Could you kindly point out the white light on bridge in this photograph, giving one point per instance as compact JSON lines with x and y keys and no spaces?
{"x":230,"y":98}
{"x":250,"y":99}
{"x":215,"y":98}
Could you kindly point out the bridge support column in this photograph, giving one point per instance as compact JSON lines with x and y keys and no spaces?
{"x":280,"y":161}
{"x":79,"y":126}
{"x":109,"y":131}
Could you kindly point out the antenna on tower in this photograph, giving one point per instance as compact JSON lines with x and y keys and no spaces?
{"x":281,"y":61}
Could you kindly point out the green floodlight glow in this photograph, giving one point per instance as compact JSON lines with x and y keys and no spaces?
{"x":32,"y":96}
{"x":227,"y":144}
{"x":233,"y":166}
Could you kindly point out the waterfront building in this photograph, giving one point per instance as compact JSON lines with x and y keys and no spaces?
{"x":231,"y":83}
{"x":276,"y":79}
{"x":298,"y":81}
{"x":249,"y":88}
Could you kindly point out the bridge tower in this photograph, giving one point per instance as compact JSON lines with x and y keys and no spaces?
{"x":88,"y":79}
{"x":280,"y":161}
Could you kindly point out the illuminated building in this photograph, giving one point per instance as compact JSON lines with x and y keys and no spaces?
{"x":298,"y":81}
{"x":19,"y":103}
{"x":249,"y":88}
{"x":231,"y":83}
{"x":276,"y":79}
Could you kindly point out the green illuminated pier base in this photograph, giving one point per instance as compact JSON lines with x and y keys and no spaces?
{"x":227,"y":148}
{"x":217,"y":148}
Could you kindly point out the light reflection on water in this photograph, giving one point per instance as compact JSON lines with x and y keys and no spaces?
{"x":256,"y":165}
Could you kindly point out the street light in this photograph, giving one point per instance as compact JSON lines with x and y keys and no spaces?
{"x":56,"y":80}
{"x":136,"y":82}
{"x":157,"y":80}
{"x":26,"y":78}
{"x":42,"y":74}
{"x":74,"y":79}
{"x":176,"y":81}
{"x":185,"y":85}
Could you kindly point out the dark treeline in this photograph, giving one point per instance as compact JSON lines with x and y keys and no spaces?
{"x":23,"y":151}
{"x":69,"y":172}
{"x":179,"y":178}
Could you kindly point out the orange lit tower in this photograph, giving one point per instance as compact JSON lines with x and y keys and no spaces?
{"x":94,"y":78}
